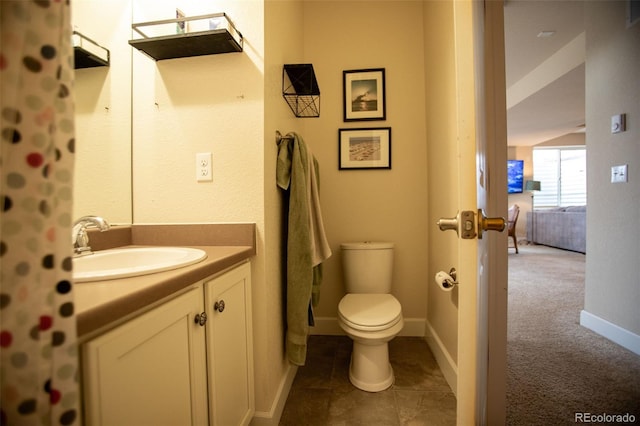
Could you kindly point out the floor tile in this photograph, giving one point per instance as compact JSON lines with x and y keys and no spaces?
{"x":321,"y":393}
{"x":417,"y":408}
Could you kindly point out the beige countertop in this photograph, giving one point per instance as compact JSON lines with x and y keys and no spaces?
{"x":101,"y":305}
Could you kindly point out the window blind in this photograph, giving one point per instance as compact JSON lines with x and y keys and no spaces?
{"x":562,"y":173}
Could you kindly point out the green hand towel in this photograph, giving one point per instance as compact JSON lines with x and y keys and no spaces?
{"x":303,"y":277}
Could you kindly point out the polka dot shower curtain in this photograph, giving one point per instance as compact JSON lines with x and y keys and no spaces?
{"x":39,"y":362}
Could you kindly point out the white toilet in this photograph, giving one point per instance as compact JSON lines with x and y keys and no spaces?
{"x":368,"y":313}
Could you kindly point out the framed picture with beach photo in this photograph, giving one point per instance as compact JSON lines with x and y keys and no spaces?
{"x":364,"y":95}
{"x":364,"y":148}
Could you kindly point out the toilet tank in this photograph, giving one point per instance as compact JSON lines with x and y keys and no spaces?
{"x":367,"y":266}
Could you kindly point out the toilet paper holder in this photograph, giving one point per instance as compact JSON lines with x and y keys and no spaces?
{"x":454,"y":275}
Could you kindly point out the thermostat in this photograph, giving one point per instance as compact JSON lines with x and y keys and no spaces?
{"x":618,"y":123}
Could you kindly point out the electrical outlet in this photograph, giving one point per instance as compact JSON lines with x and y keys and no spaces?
{"x":203,"y":167}
{"x":619,"y":174}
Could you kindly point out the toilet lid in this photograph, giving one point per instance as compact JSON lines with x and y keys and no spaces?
{"x":370,"y":311}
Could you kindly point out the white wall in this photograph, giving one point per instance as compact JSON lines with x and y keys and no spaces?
{"x":284,"y":45}
{"x":375,"y":205}
{"x":185,"y":106}
{"x":442,"y":310}
{"x":612,"y":293}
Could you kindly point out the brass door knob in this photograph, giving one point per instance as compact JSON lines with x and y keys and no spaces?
{"x":489,"y":223}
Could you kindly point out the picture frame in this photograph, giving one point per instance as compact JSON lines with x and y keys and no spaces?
{"x":364,"y":96}
{"x":367,"y":148}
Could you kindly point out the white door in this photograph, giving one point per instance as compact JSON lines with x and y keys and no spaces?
{"x":481,"y":184}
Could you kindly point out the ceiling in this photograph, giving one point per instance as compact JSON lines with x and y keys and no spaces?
{"x":545,"y":75}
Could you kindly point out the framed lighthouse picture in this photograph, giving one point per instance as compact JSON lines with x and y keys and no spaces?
{"x":364,"y":95}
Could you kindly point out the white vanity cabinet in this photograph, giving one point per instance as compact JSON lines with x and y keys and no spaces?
{"x":150,"y":370}
{"x":165,"y":368}
{"x":230,"y":353}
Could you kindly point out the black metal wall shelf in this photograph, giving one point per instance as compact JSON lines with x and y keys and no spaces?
{"x":224,"y":38}
{"x":87,"y":53}
{"x":300,"y":89}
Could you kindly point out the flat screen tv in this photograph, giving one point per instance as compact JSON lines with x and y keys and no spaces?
{"x":515,"y":173}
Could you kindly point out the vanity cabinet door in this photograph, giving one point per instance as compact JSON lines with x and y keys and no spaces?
{"x":150,"y":370}
{"x":230,"y":347}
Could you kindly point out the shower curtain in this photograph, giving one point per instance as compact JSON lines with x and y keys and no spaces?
{"x":39,"y":362}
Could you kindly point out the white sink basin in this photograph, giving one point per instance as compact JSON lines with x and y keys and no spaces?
{"x":133,"y":261}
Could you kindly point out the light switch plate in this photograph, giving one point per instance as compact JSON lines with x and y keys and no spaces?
{"x":619,"y":174}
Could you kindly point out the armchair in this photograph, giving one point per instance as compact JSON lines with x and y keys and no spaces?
{"x":512,"y":219}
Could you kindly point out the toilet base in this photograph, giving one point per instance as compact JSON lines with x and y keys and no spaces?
{"x":370,"y":369}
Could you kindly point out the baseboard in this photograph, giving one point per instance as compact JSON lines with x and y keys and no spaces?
{"x":328,"y":326}
{"x":446,"y":363}
{"x":615,"y":333}
{"x":272,"y":417}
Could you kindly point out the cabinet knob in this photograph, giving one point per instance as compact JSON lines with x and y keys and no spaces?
{"x":219,"y":306}
{"x":201,"y":319}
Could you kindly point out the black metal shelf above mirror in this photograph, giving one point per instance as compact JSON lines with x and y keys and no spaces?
{"x":87,"y":53}
{"x":187,"y":36}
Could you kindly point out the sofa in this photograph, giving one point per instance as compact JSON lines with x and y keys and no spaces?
{"x":561,"y":227}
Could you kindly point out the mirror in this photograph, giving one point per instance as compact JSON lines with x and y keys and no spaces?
{"x":102,"y":181}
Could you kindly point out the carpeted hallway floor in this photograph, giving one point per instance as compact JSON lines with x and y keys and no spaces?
{"x":557,"y":368}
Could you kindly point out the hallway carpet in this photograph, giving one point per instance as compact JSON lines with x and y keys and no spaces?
{"x":558,"y":369}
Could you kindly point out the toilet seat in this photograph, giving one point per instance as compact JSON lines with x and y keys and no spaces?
{"x":370,"y":312}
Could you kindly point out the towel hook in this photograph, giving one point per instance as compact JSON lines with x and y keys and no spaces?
{"x":279,"y":137}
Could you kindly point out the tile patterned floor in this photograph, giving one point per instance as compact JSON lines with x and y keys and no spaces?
{"x":322,"y":394}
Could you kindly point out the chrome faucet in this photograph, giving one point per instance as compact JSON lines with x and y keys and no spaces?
{"x":79,"y":236}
